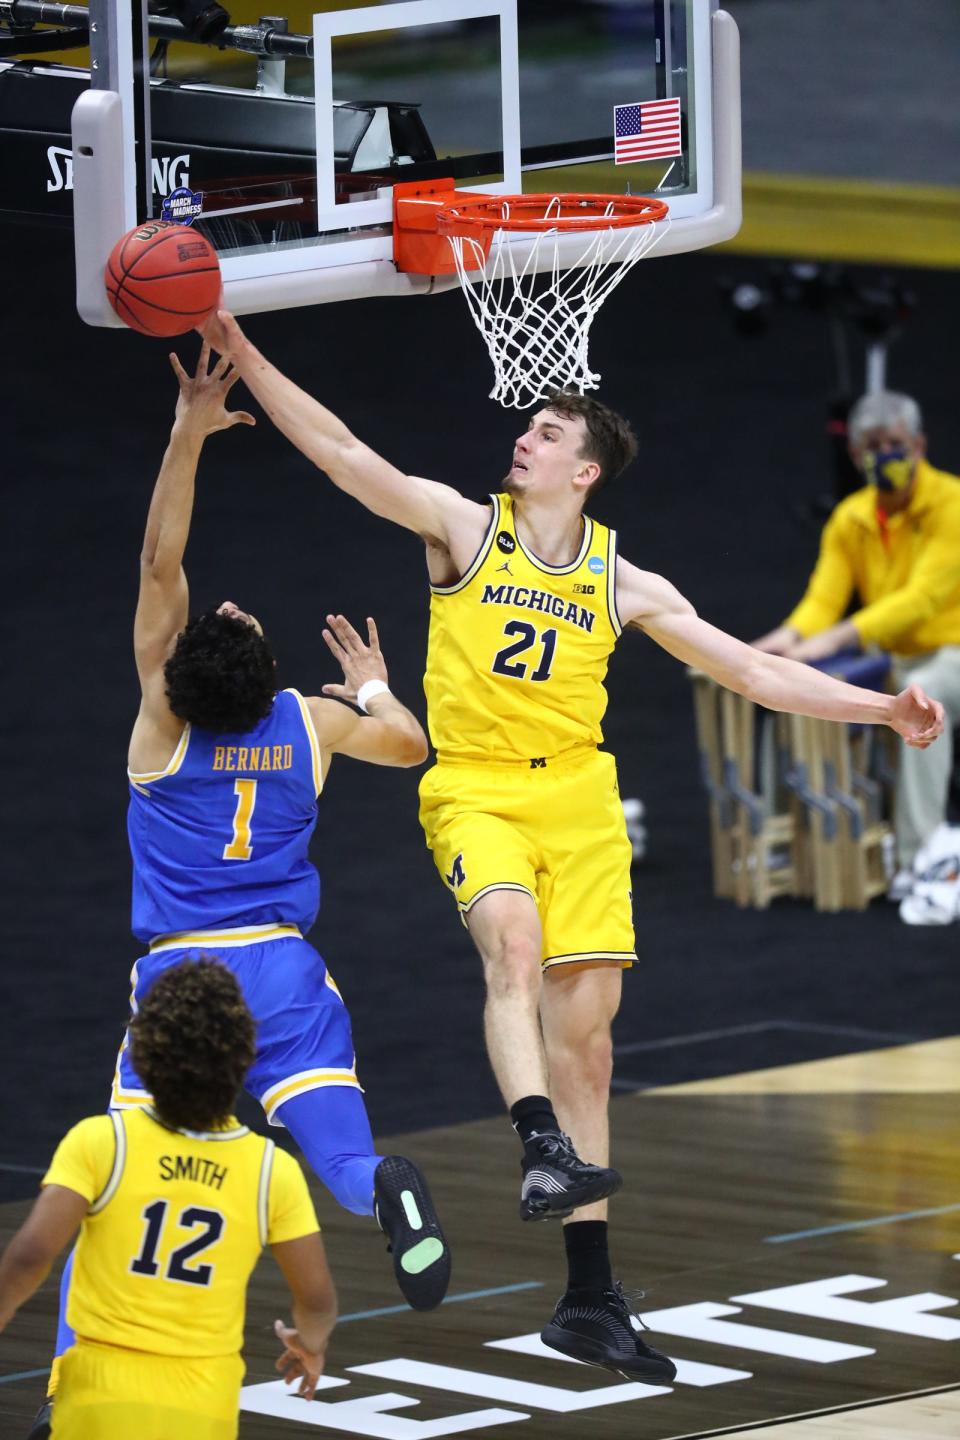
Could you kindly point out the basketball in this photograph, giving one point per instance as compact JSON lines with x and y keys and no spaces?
{"x":162,"y":278}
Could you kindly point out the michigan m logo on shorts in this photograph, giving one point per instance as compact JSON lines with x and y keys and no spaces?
{"x":457,"y":874}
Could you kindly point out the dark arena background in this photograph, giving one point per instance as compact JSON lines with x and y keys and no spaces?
{"x":851,"y":1168}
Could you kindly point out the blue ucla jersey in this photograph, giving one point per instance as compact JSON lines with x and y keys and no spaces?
{"x":219,"y":838}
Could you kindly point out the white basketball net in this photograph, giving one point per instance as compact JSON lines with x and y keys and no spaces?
{"x":535,"y":317}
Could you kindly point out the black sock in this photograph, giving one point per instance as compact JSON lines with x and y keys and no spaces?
{"x":588,"y":1259}
{"x":533,"y":1115}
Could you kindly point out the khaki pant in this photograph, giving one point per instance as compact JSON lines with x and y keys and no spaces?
{"x":923,"y":777}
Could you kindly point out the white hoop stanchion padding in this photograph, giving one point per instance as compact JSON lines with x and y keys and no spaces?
{"x":534,"y":305}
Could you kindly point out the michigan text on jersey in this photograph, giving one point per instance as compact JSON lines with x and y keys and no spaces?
{"x":542,"y":600}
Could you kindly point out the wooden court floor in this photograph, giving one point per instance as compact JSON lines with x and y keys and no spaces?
{"x":797,"y":1234}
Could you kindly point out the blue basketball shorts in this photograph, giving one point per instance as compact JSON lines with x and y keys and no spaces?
{"x":304,"y":1040}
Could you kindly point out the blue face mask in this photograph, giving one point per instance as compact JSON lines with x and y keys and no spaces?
{"x":890,"y":470}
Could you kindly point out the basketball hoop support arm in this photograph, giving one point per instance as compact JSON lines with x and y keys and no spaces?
{"x":418,"y":247}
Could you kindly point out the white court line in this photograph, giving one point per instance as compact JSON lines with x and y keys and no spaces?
{"x":757,"y":1028}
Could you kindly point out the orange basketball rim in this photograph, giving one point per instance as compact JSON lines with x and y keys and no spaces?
{"x":534,"y":269}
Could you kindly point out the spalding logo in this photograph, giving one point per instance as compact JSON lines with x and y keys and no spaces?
{"x":167,"y":171}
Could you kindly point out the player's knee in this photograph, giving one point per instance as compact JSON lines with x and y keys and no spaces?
{"x":585,"y":1057}
{"x":598,"y":1060}
{"x":512,"y":963}
{"x":603,"y":1061}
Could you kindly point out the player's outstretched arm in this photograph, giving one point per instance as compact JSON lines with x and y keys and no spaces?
{"x":304,"y":1266}
{"x":162,"y":602}
{"x":436,"y":512}
{"x":780,"y":641}
{"x":389,"y":733}
{"x":653,"y":605}
{"x":25,"y":1264}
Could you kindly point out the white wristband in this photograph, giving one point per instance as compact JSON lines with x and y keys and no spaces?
{"x":368,"y":689}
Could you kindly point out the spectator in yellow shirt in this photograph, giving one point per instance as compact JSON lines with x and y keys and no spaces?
{"x":174,"y":1202}
{"x":895,"y":544}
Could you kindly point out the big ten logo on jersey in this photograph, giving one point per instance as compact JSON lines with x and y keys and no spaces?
{"x":168,"y":171}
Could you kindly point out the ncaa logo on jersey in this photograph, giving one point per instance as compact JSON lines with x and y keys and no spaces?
{"x":457,"y":874}
{"x":596,"y":565}
{"x":506,"y":542}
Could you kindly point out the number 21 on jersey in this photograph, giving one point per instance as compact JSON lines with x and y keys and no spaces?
{"x":505,"y":662}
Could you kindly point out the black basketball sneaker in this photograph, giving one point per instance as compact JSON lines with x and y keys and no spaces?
{"x":405,"y":1214}
{"x":596,"y":1326}
{"x":556,"y":1181}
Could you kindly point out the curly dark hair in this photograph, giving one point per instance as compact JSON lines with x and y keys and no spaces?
{"x":610,"y":439}
{"x":192,"y":1042}
{"x":221,"y":676}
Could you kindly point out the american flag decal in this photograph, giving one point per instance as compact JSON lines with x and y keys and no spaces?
{"x":646,"y":131}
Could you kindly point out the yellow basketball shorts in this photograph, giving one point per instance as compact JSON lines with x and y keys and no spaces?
{"x":555,"y":830}
{"x":107,"y":1393}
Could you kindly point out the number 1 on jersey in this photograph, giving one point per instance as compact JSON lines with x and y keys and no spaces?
{"x":240,"y":847}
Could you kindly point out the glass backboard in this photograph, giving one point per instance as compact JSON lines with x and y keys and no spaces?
{"x":283,"y":140}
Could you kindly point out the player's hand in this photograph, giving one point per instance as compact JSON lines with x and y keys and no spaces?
{"x":358,"y":661}
{"x":297,"y":1362}
{"x":201,"y":404}
{"x":222,"y":332}
{"x":916,"y":718}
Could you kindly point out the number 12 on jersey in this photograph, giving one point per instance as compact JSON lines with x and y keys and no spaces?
{"x":505,"y":661}
{"x":176,"y":1267}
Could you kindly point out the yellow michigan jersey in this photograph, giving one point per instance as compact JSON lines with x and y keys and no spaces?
{"x":518,"y":648}
{"x":176,"y":1223}
{"x":521,"y":799}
